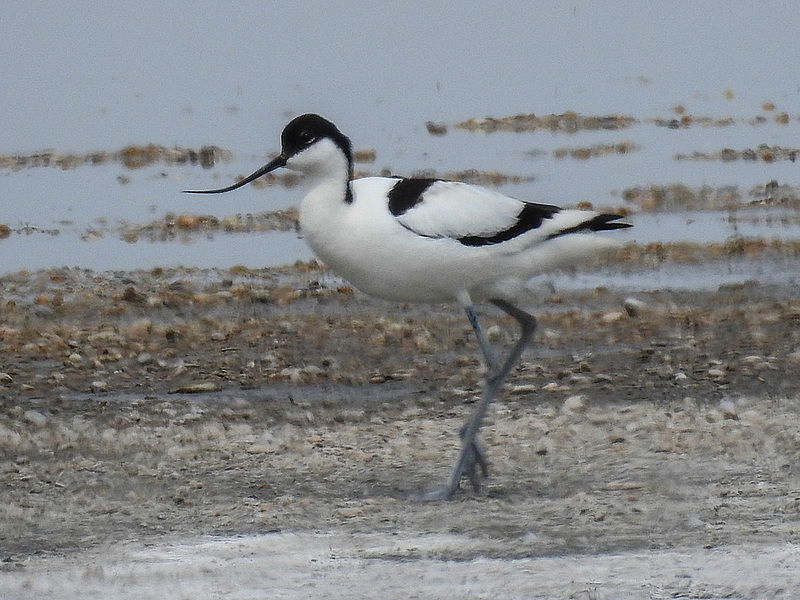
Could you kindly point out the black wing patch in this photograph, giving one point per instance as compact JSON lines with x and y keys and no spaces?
{"x":530,"y":217}
{"x":602,"y":222}
{"x":407,"y":193}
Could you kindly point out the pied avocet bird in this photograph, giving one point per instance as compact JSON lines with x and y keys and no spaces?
{"x":428,"y":240}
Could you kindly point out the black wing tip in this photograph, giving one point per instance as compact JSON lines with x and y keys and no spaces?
{"x":602,"y":222}
{"x":607,"y":222}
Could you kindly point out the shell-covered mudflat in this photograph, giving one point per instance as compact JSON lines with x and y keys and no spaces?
{"x":185,"y":402}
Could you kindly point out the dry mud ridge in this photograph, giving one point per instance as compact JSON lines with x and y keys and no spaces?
{"x":253,"y":434}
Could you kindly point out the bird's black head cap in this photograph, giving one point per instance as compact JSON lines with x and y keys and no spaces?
{"x":302,"y":132}
{"x":305,"y":130}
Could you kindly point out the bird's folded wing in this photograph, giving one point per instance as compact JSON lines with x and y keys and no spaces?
{"x":471,"y":214}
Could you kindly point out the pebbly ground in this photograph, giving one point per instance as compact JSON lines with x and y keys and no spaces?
{"x":232,"y":433}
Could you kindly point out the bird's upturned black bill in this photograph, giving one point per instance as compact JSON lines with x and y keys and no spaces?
{"x":276,"y":163}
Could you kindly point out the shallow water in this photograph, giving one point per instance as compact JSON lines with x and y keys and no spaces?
{"x":194,"y":77}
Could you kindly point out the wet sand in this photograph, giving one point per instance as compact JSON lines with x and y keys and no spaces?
{"x":237,"y":432}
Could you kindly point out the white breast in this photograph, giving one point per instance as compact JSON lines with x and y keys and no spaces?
{"x":417,"y":255}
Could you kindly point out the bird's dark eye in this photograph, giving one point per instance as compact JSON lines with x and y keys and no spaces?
{"x":307,"y":138}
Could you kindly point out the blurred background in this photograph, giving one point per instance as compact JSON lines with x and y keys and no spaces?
{"x":107,"y":106}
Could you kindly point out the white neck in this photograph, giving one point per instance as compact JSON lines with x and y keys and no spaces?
{"x":326,"y":174}
{"x":323,"y":160}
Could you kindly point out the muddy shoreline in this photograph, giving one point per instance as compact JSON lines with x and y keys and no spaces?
{"x":152,"y":406}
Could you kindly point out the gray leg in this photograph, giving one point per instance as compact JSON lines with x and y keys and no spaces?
{"x":477,"y":458}
{"x":486,"y":348}
{"x":472,"y":454}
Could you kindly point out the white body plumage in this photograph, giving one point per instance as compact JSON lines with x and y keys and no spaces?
{"x":418,"y":255}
